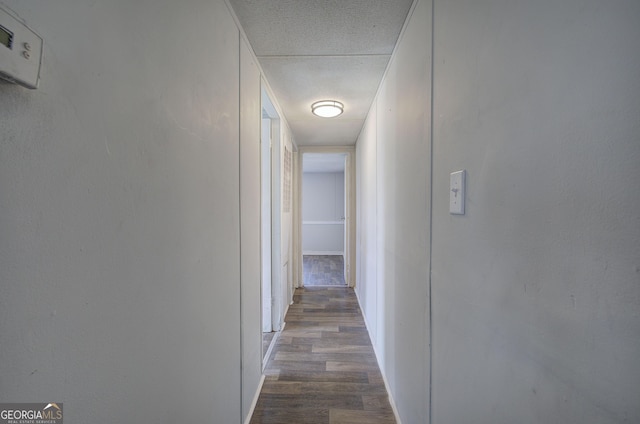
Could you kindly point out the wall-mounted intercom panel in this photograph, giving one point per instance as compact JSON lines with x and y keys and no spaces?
{"x":20,"y":52}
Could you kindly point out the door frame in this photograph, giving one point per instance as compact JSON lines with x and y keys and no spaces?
{"x":271,"y":290}
{"x":350,"y":210}
{"x":265,"y":221}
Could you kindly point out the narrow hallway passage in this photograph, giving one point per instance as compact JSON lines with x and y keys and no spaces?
{"x":323,"y":369}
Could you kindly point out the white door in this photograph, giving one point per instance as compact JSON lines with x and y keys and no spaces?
{"x":266,"y":225}
{"x":346,"y":220}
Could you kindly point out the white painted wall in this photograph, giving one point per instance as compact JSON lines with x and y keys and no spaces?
{"x":322,"y":196}
{"x":120,"y":254}
{"x":366,"y":227}
{"x":323,"y":238}
{"x":250,"y":225}
{"x":323,"y":213}
{"x":394,"y":157}
{"x":535,"y":290}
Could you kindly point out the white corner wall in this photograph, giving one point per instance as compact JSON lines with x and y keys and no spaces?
{"x":393,"y":154}
{"x":535,"y":290}
{"x":120,"y":286}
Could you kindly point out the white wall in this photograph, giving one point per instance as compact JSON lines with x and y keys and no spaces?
{"x":394,"y":158}
{"x":325,"y":238}
{"x":366,"y":227}
{"x":323,"y":213}
{"x":119,"y":213}
{"x":250,"y":225}
{"x":322,"y":196}
{"x":535,"y":290}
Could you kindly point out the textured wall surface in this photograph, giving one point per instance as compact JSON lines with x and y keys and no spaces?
{"x":536,"y":291}
{"x":400,"y":136}
{"x":119,"y":214}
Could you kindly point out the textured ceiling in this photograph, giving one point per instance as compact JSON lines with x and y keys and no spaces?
{"x":319,"y":50}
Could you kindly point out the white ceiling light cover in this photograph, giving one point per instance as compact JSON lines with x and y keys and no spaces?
{"x":315,"y":50}
{"x":327,"y":108}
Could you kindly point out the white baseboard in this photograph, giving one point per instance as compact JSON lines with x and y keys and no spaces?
{"x":267,"y":354}
{"x":375,"y":351}
{"x":255,"y":401}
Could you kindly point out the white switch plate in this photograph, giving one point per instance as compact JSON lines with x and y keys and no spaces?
{"x":456,"y":192}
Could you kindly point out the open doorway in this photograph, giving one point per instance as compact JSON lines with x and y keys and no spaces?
{"x":324,"y":219}
{"x":270,"y":221}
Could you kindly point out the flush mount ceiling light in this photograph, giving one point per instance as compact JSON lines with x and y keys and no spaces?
{"x":327,"y":108}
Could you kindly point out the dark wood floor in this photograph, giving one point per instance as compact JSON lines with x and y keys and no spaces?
{"x":322,"y":369}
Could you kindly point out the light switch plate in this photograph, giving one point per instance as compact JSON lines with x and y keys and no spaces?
{"x":456,"y":192}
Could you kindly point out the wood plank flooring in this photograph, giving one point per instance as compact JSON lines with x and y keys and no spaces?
{"x":323,"y":270}
{"x":323,"y":369}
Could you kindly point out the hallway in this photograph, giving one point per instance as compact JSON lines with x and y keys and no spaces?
{"x":134,"y":183}
{"x":323,"y":369}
